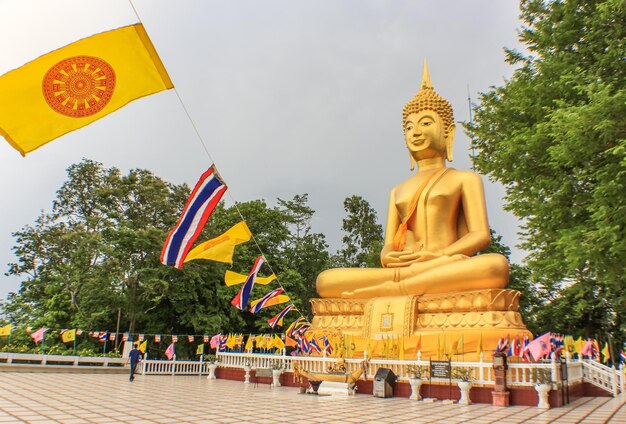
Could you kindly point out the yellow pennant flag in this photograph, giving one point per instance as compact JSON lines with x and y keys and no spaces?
{"x":221,"y":248}
{"x":68,"y":336}
{"x":277,"y":300}
{"x":143,"y":346}
{"x":78,"y":84}
{"x":233,"y":278}
{"x":6,"y":330}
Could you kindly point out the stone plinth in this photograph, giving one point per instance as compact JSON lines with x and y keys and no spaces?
{"x":476,"y":317}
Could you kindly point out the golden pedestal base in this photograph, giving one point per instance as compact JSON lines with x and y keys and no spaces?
{"x":463,"y":320}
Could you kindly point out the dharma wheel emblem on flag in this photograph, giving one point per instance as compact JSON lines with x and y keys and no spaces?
{"x":79,"y":86}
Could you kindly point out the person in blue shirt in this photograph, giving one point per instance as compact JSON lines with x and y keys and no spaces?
{"x":135,"y":356}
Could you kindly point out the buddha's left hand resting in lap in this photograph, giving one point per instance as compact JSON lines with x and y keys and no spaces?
{"x":436,"y":222}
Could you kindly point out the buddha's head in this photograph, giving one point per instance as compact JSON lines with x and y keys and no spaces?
{"x":428,"y":123}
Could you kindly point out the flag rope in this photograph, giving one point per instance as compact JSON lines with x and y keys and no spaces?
{"x":228,"y":193}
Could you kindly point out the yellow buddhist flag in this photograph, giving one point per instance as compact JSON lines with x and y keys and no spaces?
{"x":6,"y":330}
{"x":278,"y":343}
{"x":231,"y":341}
{"x":606,"y":354}
{"x":249,"y":342}
{"x":143,"y":346}
{"x":68,"y":336}
{"x":233,"y":278}
{"x":221,"y":248}
{"x":78,"y":84}
{"x":578,"y":345}
{"x":479,"y":347}
{"x":200,"y":349}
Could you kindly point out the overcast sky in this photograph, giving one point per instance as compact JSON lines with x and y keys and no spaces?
{"x":289,"y":97}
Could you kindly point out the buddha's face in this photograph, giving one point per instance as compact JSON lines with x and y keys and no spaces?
{"x":424,"y":134}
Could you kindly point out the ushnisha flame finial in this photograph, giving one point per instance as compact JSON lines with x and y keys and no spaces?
{"x":428,"y":99}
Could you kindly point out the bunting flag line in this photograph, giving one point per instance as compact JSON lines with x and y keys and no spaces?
{"x":5,"y":330}
{"x":203,"y":199}
{"x":278,"y":319}
{"x":157,"y":338}
{"x":221,"y":248}
{"x":264,"y":302}
{"x":241,"y":299}
{"x":75,"y":85}
{"x":233,"y":278}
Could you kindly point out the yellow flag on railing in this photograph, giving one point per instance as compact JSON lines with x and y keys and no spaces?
{"x":6,"y":330}
{"x":68,"y":336}
{"x":221,"y":248}
{"x":78,"y":84}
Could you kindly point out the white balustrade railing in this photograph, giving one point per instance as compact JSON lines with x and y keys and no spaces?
{"x":518,"y":373}
{"x":12,"y":358}
{"x":606,"y":378}
{"x":159,"y":367}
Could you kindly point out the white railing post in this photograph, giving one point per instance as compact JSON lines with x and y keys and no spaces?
{"x":481,"y":371}
{"x":621,"y":377}
{"x":614,"y":375}
{"x":554,"y":369}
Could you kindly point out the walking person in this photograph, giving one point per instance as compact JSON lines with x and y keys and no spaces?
{"x":134,"y":356}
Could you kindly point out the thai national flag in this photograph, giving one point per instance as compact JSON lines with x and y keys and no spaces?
{"x":303,"y":344}
{"x":503,"y":344}
{"x":203,"y":199}
{"x":102,"y":337}
{"x":241,"y":300}
{"x":277,"y":320}
{"x":622,"y":356}
{"x":262,"y":301}
{"x":314,"y":345}
{"x":327,"y":346}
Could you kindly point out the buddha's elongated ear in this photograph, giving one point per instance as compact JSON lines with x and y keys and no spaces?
{"x":451,"y":131}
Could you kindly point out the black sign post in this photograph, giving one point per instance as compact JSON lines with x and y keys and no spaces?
{"x":440,"y":369}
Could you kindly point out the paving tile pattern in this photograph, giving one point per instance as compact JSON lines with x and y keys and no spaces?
{"x":111,"y":398}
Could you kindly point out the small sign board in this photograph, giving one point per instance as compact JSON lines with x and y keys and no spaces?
{"x":440,"y":369}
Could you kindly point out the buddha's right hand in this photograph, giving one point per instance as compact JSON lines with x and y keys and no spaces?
{"x":396,"y":258}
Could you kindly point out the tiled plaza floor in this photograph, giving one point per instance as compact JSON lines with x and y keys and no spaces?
{"x":111,"y":398}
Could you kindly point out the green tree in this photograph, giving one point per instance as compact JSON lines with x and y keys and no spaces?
{"x":555,"y":136}
{"x":363,"y":235}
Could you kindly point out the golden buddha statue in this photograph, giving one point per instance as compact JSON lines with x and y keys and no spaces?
{"x":432,"y":280}
{"x":436,"y":221}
